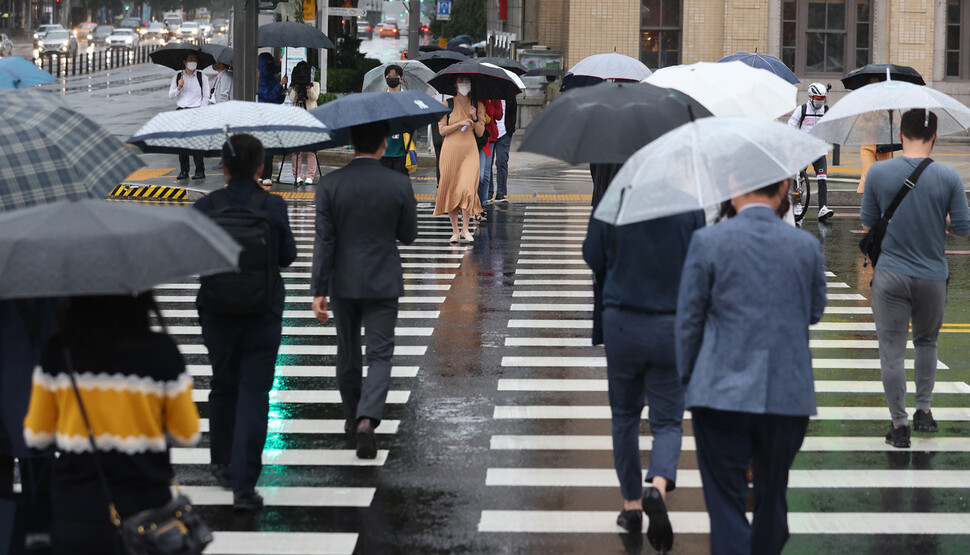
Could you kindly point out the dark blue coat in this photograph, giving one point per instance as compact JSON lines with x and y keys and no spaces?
{"x":270,"y":90}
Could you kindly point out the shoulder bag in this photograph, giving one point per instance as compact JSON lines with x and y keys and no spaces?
{"x":871,"y":242}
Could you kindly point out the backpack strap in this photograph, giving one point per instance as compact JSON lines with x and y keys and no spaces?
{"x":220,"y":199}
{"x":257,"y":199}
{"x":906,"y":188}
{"x":801,"y":120}
{"x":198,"y":75}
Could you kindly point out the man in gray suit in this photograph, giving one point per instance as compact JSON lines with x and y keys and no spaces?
{"x":363,"y":209}
{"x":751,"y":287}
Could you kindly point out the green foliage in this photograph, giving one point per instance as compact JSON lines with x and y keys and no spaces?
{"x":325,"y":97}
{"x":348,"y":53}
{"x":467,"y":18}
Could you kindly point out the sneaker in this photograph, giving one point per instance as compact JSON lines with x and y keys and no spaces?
{"x":797,"y":209}
{"x":490,"y":201}
{"x":468,"y":237}
{"x":308,"y":181}
{"x":501,"y":199}
{"x":924,"y":422}
{"x":243,"y":500}
{"x":182,"y":176}
{"x":825,"y":213}
{"x":267,"y":182}
{"x":297,"y":182}
{"x":898,"y":437}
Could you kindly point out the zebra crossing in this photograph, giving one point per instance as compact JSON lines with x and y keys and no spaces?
{"x":550,"y":470}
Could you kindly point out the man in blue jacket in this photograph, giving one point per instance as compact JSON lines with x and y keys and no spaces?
{"x":273,"y":91}
{"x":751,"y":287}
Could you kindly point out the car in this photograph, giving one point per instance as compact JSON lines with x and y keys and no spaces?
{"x":205,"y":28}
{"x":131,"y":23}
{"x":6,"y":46}
{"x":425,"y":30}
{"x":100,"y":35}
{"x":59,"y":42}
{"x":187,"y":31}
{"x":364,"y":30}
{"x":43,"y":29}
{"x":220,"y":26}
{"x":173,"y":24}
{"x":389,"y":30}
{"x":82,"y":30}
{"x":123,"y":38}
{"x":156,"y":29}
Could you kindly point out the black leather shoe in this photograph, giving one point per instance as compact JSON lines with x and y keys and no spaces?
{"x":199,"y":175}
{"x":898,"y":437}
{"x":246,"y":500}
{"x":659,"y":533}
{"x":182,"y":176}
{"x":631,"y":521}
{"x":366,"y":444}
{"x":350,"y":433}
{"x":222,"y":475}
{"x":924,"y":422}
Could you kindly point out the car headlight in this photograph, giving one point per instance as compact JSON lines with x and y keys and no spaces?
{"x":90,"y":37}
{"x":40,"y":43}
{"x":128,"y":40}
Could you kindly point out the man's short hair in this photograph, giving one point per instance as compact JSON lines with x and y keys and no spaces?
{"x":915,"y":125}
{"x":770,"y":190}
{"x":393,"y":67}
{"x":367,"y":138}
{"x":190,"y":54}
{"x":243,"y":157}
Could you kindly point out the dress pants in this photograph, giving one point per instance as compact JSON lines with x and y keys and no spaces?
{"x":726,"y":442}
{"x":197,"y":158}
{"x":364,"y":398}
{"x":396,"y":163}
{"x":243,"y":354}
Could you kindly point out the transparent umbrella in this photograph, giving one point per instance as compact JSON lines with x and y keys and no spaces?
{"x":415,"y":78}
{"x":703,"y":163}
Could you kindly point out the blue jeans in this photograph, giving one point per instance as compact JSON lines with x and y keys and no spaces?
{"x":500,"y":151}
{"x":641,"y":366}
{"x":485,"y":174}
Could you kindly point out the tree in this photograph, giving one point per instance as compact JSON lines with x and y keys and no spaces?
{"x":467,"y":18}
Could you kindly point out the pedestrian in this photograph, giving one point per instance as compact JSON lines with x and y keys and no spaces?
{"x":136,"y":392}
{"x":493,"y":112}
{"x":551,"y":89}
{"x":751,"y":286}
{"x":909,"y":281}
{"x":395,"y":155}
{"x":458,"y":188}
{"x":272,"y":90}
{"x":641,"y":264}
{"x":190,"y":89}
{"x":870,"y":154}
{"x":805,"y":117}
{"x":222,"y":85}
{"x":503,"y":143}
{"x":363,"y":209}
{"x":242,"y":320}
{"x":303,"y":94}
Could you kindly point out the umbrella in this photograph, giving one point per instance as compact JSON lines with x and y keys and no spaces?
{"x":19,"y":73}
{"x":871,"y":114}
{"x":730,"y":88}
{"x":172,"y":55}
{"x":607,"y":123}
{"x":280,"y":128}
{"x":221,"y":54}
{"x":440,"y":59}
{"x":466,"y":40}
{"x":415,"y":78}
{"x":703,"y":163}
{"x":504,"y":63}
{"x":600,"y":67}
{"x":859,"y":78}
{"x":488,"y":81}
{"x":763,"y":61}
{"x":405,"y":111}
{"x":291,"y":33}
{"x":50,"y":152}
{"x":511,"y":75}
{"x":93,"y":247}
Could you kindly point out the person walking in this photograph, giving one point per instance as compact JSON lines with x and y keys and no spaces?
{"x":190,"y":89}
{"x":493,"y":112}
{"x":363,"y":209}
{"x":750,"y":288}
{"x":458,"y":187}
{"x":244,"y":339}
{"x":395,"y":155}
{"x":805,"y":117}
{"x":642,"y":264}
{"x":303,"y":94}
{"x":503,"y":143}
{"x":909,"y":281}
{"x":222,"y":85}
{"x":273,"y":91}
{"x":136,"y":392}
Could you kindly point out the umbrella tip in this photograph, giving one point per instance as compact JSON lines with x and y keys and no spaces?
{"x":889,"y":77}
{"x":690,"y":112}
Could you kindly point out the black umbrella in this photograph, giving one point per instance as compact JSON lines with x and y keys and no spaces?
{"x":858,"y":78}
{"x":290,"y":33}
{"x":488,"y":82}
{"x":172,"y":55}
{"x":222,"y":54}
{"x":607,"y":123}
{"x":429,"y":48}
{"x":405,"y":111}
{"x":440,"y":59}
{"x":506,"y":63}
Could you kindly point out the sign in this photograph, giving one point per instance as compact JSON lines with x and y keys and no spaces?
{"x":444,"y":10}
{"x":309,"y":10}
{"x":347,"y":12}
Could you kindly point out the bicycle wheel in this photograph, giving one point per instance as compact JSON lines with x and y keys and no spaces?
{"x":801,"y":193}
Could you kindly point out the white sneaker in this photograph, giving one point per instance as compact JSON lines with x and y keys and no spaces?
{"x":467,"y":236}
{"x":797,"y":209}
{"x":267,"y":182}
{"x":825,"y":213}
{"x":308,"y":181}
{"x":297,"y":182}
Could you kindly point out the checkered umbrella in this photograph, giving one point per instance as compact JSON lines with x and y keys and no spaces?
{"x":280,"y":128}
{"x":49,"y":152}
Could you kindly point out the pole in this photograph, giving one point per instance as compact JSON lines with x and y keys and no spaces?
{"x":245,"y":14}
{"x":323,"y":14}
{"x":414,"y":28}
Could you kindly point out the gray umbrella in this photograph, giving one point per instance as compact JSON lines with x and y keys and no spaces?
{"x":221,"y":53}
{"x":50,"y":152}
{"x":94,"y":247}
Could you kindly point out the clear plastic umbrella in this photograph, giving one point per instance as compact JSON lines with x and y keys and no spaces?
{"x":730,"y":88}
{"x":415,"y":78}
{"x":704,"y":163}
{"x":872,"y":113}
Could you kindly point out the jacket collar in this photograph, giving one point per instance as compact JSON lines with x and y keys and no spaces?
{"x":364,"y":161}
{"x":759,"y":213}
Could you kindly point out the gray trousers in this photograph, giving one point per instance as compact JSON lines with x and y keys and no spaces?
{"x":897,"y":299}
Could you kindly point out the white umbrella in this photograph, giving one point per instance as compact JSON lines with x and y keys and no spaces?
{"x":730,"y":88}
{"x":415,"y":78}
{"x":871,"y":114}
{"x":703,"y":163}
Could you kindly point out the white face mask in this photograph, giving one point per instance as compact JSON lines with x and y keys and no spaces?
{"x":464,"y":88}
{"x":191,"y":65}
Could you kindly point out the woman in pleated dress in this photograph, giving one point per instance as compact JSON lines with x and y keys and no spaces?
{"x":458,"y":187}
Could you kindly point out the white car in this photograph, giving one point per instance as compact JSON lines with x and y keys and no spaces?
{"x":188,"y":30}
{"x":123,"y":38}
{"x":205,"y":28}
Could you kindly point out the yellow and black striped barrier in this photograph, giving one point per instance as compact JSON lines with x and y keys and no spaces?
{"x":157,"y":192}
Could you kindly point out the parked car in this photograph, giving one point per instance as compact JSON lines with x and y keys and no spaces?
{"x":100,"y":35}
{"x":57,"y":42}
{"x":6,"y":46}
{"x":389,"y":30}
{"x":188,"y":31}
{"x":220,"y":26}
{"x":81,"y":31}
{"x":123,"y":38}
{"x":156,"y":29}
{"x":364,"y":30}
{"x":43,"y":29}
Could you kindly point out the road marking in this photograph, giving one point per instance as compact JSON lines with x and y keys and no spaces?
{"x":292,"y":298}
{"x":292,"y":457}
{"x":551,"y":307}
{"x":304,"y":331}
{"x":548,"y":261}
{"x":557,"y":282}
{"x":281,"y":543}
{"x":287,"y":496}
{"x":821,"y":386}
{"x":308,"y":314}
{"x":811,"y":444}
{"x":848,"y":310}
{"x":307,"y":276}
{"x":419,"y":265}
{"x":286,"y":371}
{"x":297,"y":287}
{"x":542,"y":324}
{"x":602,"y":412}
{"x":307,"y":426}
{"x":319,"y":350}
{"x":553,"y":271}
{"x":585,"y":293}
{"x":307,"y":252}
{"x":846,"y":297}
{"x":323,"y":397}
{"x":600,"y":361}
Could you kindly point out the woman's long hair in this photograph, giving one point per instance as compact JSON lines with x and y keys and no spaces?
{"x":100,"y":323}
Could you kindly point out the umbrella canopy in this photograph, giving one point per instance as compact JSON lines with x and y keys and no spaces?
{"x":467,"y":40}
{"x":280,"y":128}
{"x":93,"y":247}
{"x":858,"y":78}
{"x":21,"y":73}
{"x":440,"y":59}
{"x":49,"y":152}
{"x":221,"y":54}
{"x":291,"y":33}
{"x":504,"y":63}
{"x":172,"y":55}
{"x":871,"y":114}
{"x":763,"y":61}
{"x":730,"y":88}
{"x":488,"y":81}
{"x":415,"y":78}
{"x":405,"y":111}
{"x":601,"y":67}
{"x":511,"y":75}
{"x":703,"y":163}
{"x":607,"y":123}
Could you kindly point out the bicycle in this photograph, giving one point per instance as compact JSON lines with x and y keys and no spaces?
{"x":801,"y":193}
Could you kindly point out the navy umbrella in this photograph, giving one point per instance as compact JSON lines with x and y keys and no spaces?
{"x":172,"y":55}
{"x":858,"y":78}
{"x":505,"y":63}
{"x":440,"y":59}
{"x":763,"y":61}
{"x":290,"y":33}
{"x":405,"y":111}
{"x":488,"y":81}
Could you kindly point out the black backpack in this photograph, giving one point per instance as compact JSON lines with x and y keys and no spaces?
{"x":251,"y":290}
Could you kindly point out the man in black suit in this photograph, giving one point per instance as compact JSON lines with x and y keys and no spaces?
{"x":363,"y":209}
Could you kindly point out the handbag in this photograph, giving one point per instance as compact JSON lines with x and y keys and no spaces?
{"x":871,"y":242}
{"x":173,"y":529}
{"x":411,"y":158}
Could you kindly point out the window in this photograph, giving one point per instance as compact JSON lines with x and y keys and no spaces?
{"x":660,"y":33}
{"x":957,"y":63}
{"x":826,"y":36}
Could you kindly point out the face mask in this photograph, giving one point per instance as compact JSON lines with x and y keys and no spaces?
{"x":393,"y":82}
{"x":191,"y":66}
{"x":464,"y":88}
{"x":817,"y":104}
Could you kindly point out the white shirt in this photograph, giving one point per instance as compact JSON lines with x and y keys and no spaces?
{"x":191,"y":96}
{"x":811,"y":116}
{"x":500,"y":123}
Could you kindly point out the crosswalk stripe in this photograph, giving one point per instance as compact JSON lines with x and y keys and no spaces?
{"x":287,"y":496}
{"x":194,"y":286}
{"x":586,"y":342}
{"x":307,"y":426}
{"x":600,"y":362}
{"x":843,"y":326}
{"x":811,"y":443}
{"x":432,"y":265}
{"x":281,"y":543}
{"x":307,"y":314}
{"x":821,"y":386}
{"x":307,"y":252}
{"x":286,"y":371}
{"x":323,"y":397}
{"x":534,"y":282}
{"x":306,"y":275}
{"x":299,"y":299}
{"x":560,"y":324}
{"x":551,"y":261}
{"x":294,"y":457}
{"x":588,"y":293}
{"x":306,"y":331}
{"x":602,"y":412}
{"x":399,"y":350}
{"x":553,"y":271}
